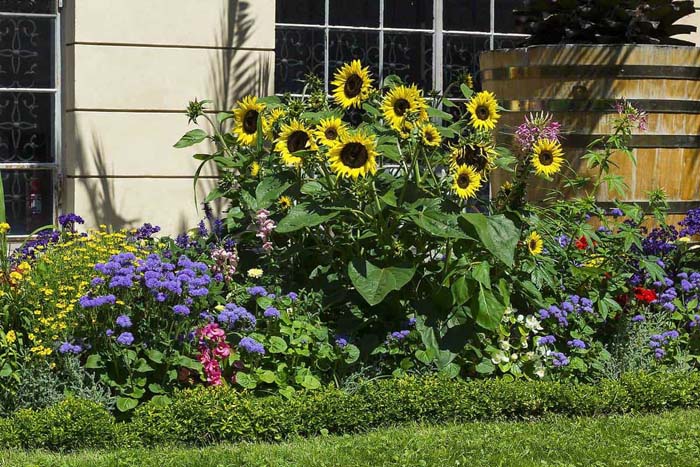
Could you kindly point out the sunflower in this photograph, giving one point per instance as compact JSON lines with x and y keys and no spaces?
{"x":352,"y":84}
{"x":484,"y":111}
{"x":330,"y":130}
{"x":354,"y":156}
{"x":285,"y":202}
{"x":246,"y":116}
{"x":430,"y":135}
{"x":402,"y":102}
{"x":547,"y":157}
{"x":272,"y":118}
{"x":466,"y":182}
{"x":534,"y":243}
{"x":254,"y":169}
{"x":478,"y":156}
{"x":294,"y":137}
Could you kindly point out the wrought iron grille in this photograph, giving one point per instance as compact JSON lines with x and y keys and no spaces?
{"x":29,"y":111}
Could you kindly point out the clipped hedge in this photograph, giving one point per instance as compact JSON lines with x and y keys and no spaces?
{"x":211,"y":415}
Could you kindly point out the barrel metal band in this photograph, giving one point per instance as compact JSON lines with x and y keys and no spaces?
{"x":601,"y":105}
{"x":592,"y":72}
{"x":674,"y":207}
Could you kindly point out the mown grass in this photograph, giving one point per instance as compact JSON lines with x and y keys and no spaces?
{"x":669,"y":439}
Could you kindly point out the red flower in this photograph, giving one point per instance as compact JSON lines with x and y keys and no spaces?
{"x":581,"y":243}
{"x":644,"y":295}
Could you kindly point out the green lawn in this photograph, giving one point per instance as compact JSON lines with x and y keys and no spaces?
{"x":670,"y":439}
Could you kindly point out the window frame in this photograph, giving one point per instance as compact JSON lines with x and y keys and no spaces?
{"x":54,"y":167}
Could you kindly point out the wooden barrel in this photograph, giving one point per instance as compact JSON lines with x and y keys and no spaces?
{"x":579,"y":85}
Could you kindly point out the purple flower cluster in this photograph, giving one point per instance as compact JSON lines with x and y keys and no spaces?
{"x":165,"y":280}
{"x":293,"y":296}
{"x":181,"y":310}
{"x":576,"y":344}
{"x":125,"y":339}
{"x":234,"y":316}
{"x":638,"y":318}
{"x":43,"y":238}
{"x":559,"y":359}
{"x":658,"y":341}
{"x":265,"y":226}
{"x":123,"y":321}
{"x":271,"y":313}
{"x":695,"y":322}
{"x":616,"y":212}
{"x":563,"y":240}
{"x":545,"y":340}
{"x":397,"y":336}
{"x":341,"y":342}
{"x":120,"y":269}
{"x":257,"y":291}
{"x":539,"y":126}
{"x":87,"y":301}
{"x":145,"y":232}
{"x":574,"y":304}
{"x":690,"y":225}
{"x":251,"y":346}
{"x":67,"y":347}
{"x":68,"y":221}
{"x":660,"y":241}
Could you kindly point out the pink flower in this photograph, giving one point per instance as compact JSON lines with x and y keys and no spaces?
{"x":223,"y":350}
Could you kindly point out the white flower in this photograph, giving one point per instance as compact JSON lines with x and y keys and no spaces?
{"x":508,"y":311}
{"x":532,"y":323}
{"x":255,"y":273}
{"x":514,"y":357}
{"x":540,"y":372}
{"x":520,"y":318}
{"x":499,"y":357}
{"x":524,"y":344}
{"x":504,"y":345}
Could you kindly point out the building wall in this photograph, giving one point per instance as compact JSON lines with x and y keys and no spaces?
{"x":695,"y":21}
{"x":131,"y":66}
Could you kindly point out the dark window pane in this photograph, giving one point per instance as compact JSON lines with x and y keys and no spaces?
{"x":298,"y":52}
{"x":26,"y":52}
{"x":28,"y":6}
{"x":461,"y":56}
{"x":354,"y":13}
{"x":410,"y":56}
{"x":467,"y":15}
{"x":504,"y":19}
{"x":413,"y":14}
{"x":26,"y":127}
{"x":346,"y":46}
{"x":300,"y":11}
{"x":507,"y":42}
{"x":28,"y":199}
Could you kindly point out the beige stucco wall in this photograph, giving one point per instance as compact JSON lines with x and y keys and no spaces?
{"x":695,"y":21}
{"x":130,"y":68}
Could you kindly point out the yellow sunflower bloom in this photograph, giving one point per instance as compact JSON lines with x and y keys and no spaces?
{"x":4,"y":227}
{"x":330,"y":130}
{"x":294,"y":137}
{"x":352,"y":84}
{"x":483,"y":109}
{"x":285,"y":202}
{"x":254,"y":169}
{"x":547,"y":157}
{"x":354,"y":156}
{"x":478,"y":156}
{"x":269,"y":121}
{"x":246,"y":116}
{"x":402,"y":102}
{"x":534,"y":243}
{"x":467,"y":182}
{"x":430,"y":135}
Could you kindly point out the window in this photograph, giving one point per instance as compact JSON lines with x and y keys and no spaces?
{"x":29,"y":111}
{"x":427,"y":42}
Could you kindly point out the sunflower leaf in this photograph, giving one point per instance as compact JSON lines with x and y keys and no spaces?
{"x":191,"y":138}
{"x":269,"y":190}
{"x":497,"y":233}
{"x":466,"y":91}
{"x":438,"y":223}
{"x":374,"y":283}
{"x":437,"y":113}
{"x":304,"y":215}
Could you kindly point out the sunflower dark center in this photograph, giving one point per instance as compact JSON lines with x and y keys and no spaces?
{"x":482,"y":112}
{"x":463,"y":181}
{"x":353,"y":86}
{"x":354,"y":155}
{"x":474,"y":157}
{"x":401,"y":106}
{"x":533,"y":244}
{"x":250,"y":122}
{"x":331,"y":133}
{"x":429,"y":136}
{"x":297,"y":141}
{"x":546,"y":158}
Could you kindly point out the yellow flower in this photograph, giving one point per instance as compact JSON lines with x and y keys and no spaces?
{"x":478,"y":156}
{"x":685,"y":239}
{"x":466,"y":182}
{"x":11,"y":337}
{"x":246,"y":119}
{"x":402,"y":102}
{"x":547,"y":157}
{"x":255,"y":273}
{"x":15,"y":276}
{"x":4,"y":228}
{"x":469,"y":81}
{"x":330,"y":130}
{"x":272,"y":118}
{"x":483,"y":109}
{"x":534,"y":243}
{"x":285,"y":202}
{"x":594,"y":262}
{"x":352,"y":84}
{"x":294,"y":137}
{"x":24,"y":267}
{"x":430,"y":135}
{"x":354,"y":156}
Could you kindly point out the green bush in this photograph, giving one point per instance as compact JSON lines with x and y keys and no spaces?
{"x":211,"y":415}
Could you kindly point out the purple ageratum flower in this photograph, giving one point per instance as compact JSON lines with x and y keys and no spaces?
{"x":271,"y":313}
{"x":109,"y":332}
{"x":638,"y":318}
{"x":292,"y":296}
{"x":341,"y":342}
{"x":257,"y":290}
{"x":251,"y":346}
{"x":545,"y":340}
{"x":576,"y":343}
{"x":616,"y":212}
{"x":563,"y":240}
{"x":146,"y":231}
{"x":686,"y":286}
{"x":202,"y":230}
{"x":123,"y":321}
{"x":411,"y":322}
{"x":398,"y":336}
{"x":88,"y":302}
{"x":69,"y":220}
{"x":181,"y":310}
{"x":234,"y":316}
{"x":659,"y":353}
{"x":67,"y":347}
{"x":695,"y":322}
{"x":125,"y":338}
{"x":97,"y":281}
{"x":559,"y":359}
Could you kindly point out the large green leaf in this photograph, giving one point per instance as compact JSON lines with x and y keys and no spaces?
{"x":124,"y":404}
{"x":374,"y":283}
{"x":497,"y":233}
{"x":489,"y":311}
{"x":438,"y":223}
{"x":192,"y":137}
{"x":303,"y":215}
{"x":269,"y":190}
